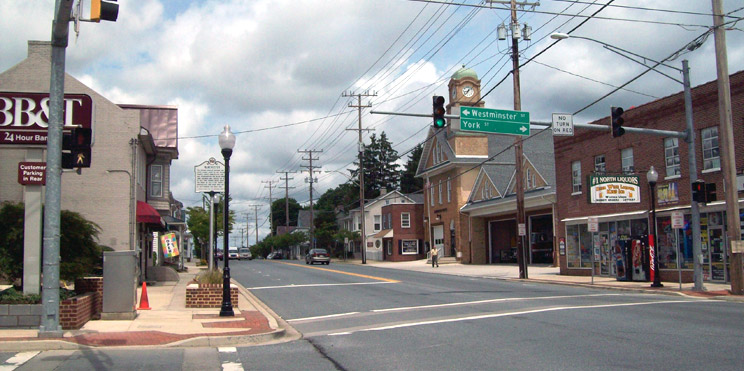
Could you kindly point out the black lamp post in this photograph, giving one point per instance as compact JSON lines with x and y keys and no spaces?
{"x":652,"y":176}
{"x":227,"y":142}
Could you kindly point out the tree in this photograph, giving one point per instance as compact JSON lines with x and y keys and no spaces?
{"x":408,"y":182}
{"x":198,"y":223}
{"x":346,"y":195}
{"x":80,"y":253}
{"x":380,"y":167}
{"x":278,"y":211}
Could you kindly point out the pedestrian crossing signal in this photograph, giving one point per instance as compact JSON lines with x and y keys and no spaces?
{"x":76,"y":148}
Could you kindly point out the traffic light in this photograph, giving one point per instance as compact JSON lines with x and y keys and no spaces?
{"x":103,"y":10}
{"x":438,"y":112}
{"x":698,"y":191}
{"x":617,"y":121}
{"x":78,"y":144}
{"x":710,"y":192}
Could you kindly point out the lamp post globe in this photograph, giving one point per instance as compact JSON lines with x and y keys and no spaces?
{"x":227,"y":142}
{"x":652,"y":176}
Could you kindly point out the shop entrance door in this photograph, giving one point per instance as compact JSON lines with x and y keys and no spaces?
{"x":718,"y":258}
{"x":605,"y":255}
{"x":438,"y":232}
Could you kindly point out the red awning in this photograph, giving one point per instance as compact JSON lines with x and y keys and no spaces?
{"x":147,"y":214}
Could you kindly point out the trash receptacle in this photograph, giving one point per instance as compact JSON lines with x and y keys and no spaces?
{"x":119,"y":285}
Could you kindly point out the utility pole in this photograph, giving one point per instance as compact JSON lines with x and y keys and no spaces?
{"x":310,"y":171}
{"x":255,"y":211}
{"x":726,"y":132}
{"x":286,"y":187}
{"x":522,"y":252}
{"x":359,"y":106}
{"x":271,"y":212}
{"x":242,"y":240}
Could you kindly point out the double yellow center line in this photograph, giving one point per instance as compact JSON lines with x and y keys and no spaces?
{"x":342,"y":272}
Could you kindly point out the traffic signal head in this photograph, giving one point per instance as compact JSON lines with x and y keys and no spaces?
{"x":617,"y":121}
{"x":698,"y":191}
{"x":78,"y":144}
{"x":438,"y":112}
{"x":710,"y":192}
{"x":103,"y":10}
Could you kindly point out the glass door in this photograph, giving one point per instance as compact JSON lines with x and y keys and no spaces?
{"x":717,"y":255}
{"x":605,"y":257}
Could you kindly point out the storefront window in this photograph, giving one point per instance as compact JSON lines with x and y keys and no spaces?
{"x":667,"y":242}
{"x":578,"y":246}
{"x":685,"y":245}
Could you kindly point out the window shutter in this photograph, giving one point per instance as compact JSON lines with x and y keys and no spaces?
{"x":400,"y":247}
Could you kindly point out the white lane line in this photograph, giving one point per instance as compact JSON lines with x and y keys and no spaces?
{"x":17,"y":360}
{"x":317,"y":285}
{"x":322,"y":317}
{"x":340,"y":333}
{"x":227,"y":349}
{"x":507,"y":314}
{"x":487,"y":301}
{"x":232,"y":366}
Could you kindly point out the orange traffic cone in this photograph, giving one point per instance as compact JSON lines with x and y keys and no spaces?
{"x":144,"y":303}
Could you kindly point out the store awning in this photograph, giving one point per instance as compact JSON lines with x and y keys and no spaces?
{"x":173,"y":223}
{"x":385,"y":233}
{"x":148,"y":214}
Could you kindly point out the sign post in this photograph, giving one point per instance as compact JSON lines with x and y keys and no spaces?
{"x":210,"y":178}
{"x":494,"y":121}
{"x":678,"y":222}
{"x":593,"y":226}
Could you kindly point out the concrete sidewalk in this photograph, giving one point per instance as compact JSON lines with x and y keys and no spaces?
{"x":167,"y":323}
{"x":550,"y":274}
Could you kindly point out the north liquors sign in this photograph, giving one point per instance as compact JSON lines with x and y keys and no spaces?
{"x":614,"y":189}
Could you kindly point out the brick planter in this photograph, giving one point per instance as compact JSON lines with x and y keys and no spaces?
{"x":208,"y":295}
{"x":76,"y":311}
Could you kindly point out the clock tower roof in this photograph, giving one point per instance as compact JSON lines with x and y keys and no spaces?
{"x":464,"y":72}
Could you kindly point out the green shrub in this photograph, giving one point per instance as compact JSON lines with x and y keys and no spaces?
{"x":14,"y":295}
{"x":210,"y":276}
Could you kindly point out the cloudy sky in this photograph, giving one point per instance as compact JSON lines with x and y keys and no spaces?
{"x":275,"y":71}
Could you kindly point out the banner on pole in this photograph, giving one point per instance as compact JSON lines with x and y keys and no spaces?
{"x":170,"y":246}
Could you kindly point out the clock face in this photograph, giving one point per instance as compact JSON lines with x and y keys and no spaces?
{"x":468,"y":91}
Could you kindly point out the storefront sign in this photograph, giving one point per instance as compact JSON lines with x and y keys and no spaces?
{"x":667,"y":194}
{"x":522,"y":229}
{"x":24,"y":117}
{"x":32,"y":173}
{"x":614,"y":189}
{"x":737,"y":247}
{"x":210,"y":176}
{"x":562,"y":246}
{"x":678,"y":220}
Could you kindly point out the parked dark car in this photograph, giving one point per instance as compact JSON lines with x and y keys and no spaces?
{"x":317,"y":256}
{"x":274,"y":255}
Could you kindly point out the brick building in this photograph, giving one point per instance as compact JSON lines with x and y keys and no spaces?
{"x":620,"y":244}
{"x":403,"y":230}
{"x":470,"y":203}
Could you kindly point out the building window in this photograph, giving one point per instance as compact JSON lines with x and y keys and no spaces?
{"x":409,"y":247}
{"x":440,"y":192}
{"x":599,"y":164}
{"x":529,"y":179}
{"x":431,"y":196}
{"x":405,"y":220}
{"x":671,"y":156}
{"x":486,"y":192}
{"x":377,"y":222}
{"x":576,"y":176}
{"x":449,"y":190}
{"x":156,"y":180}
{"x":626,"y":156}
{"x":711,"y":157}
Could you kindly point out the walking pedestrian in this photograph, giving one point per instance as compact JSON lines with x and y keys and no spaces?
{"x":434,"y":257}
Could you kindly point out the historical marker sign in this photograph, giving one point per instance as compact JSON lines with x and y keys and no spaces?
{"x":495,"y":121}
{"x":210,"y":176}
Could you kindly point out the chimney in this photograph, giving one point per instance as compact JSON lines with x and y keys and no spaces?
{"x":383,"y":191}
{"x":42,"y":49}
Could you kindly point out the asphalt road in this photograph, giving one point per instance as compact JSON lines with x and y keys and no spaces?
{"x":365,"y":318}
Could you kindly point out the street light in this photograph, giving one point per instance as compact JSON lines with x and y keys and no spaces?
{"x":227,"y":142}
{"x":652,"y":176}
{"x":690,"y":139}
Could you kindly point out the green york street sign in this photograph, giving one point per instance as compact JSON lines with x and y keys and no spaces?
{"x":494,"y":121}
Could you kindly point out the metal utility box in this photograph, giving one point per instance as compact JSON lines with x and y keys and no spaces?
{"x":119,"y":285}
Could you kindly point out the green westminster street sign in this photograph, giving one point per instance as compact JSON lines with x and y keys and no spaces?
{"x":495,"y":121}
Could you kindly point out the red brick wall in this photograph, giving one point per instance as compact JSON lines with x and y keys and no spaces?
{"x":666,"y":114}
{"x":76,"y":311}
{"x":92,"y":284}
{"x":208,"y":295}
